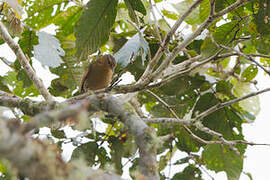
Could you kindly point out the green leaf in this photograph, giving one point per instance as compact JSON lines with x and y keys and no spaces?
{"x":170,"y":14}
{"x":43,"y":13}
{"x":224,"y":87}
{"x":67,"y":21}
{"x":262,"y":18}
{"x":2,"y":168}
{"x":265,"y":61}
{"x":221,"y":4}
{"x":249,"y":73}
{"x":221,"y":158}
{"x":93,"y":28}
{"x":70,"y":72}
{"x":185,"y":141}
{"x":86,"y":151}
{"x":58,"y":134}
{"x":3,"y":86}
{"x":224,"y":120}
{"x":262,"y":44}
{"x":252,"y":104}
{"x":208,"y":48}
{"x":135,"y":5}
{"x":225,"y":33}
{"x":116,"y":153}
{"x":193,"y":18}
{"x":191,"y":172}
{"x":22,"y":76}
{"x":27,"y":41}
{"x":17,"y":86}
{"x":198,"y":15}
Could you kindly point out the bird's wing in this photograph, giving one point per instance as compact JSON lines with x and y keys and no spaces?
{"x":84,"y":77}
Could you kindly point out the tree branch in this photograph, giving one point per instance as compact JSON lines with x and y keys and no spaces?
{"x":27,"y":106}
{"x":35,"y":159}
{"x":190,"y":38}
{"x":149,"y":77}
{"x":24,"y":62}
{"x":227,"y":103}
{"x":166,"y":41}
{"x":145,"y":136}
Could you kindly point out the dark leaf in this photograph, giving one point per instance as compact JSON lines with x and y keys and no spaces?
{"x":93,"y":28}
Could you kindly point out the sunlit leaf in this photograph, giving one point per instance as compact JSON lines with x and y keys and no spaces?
{"x":249,"y":73}
{"x":252,"y":104}
{"x":49,"y":50}
{"x":198,"y":15}
{"x":135,"y":46}
{"x":43,"y":13}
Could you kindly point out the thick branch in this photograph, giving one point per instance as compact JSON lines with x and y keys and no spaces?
{"x":27,"y":106}
{"x":24,"y":62}
{"x":39,"y":160}
{"x":168,"y":120}
{"x":145,"y":136}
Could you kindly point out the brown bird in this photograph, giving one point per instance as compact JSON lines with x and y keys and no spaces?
{"x":99,"y":74}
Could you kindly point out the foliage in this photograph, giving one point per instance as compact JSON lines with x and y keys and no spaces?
{"x":101,"y":24}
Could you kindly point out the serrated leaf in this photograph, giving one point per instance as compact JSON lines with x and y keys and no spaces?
{"x":93,"y":28}
{"x":137,"y":5}
{"x":49,"y":50}
{"x":67,"y":20}
{"x":135,"y":46}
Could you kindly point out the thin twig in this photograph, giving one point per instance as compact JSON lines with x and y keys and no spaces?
{"x":166,"y":41}
{"x":240,"y":54}
{"x":175,"y":115}
{"x":156,"y":22}
{"x":227,"y":103}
